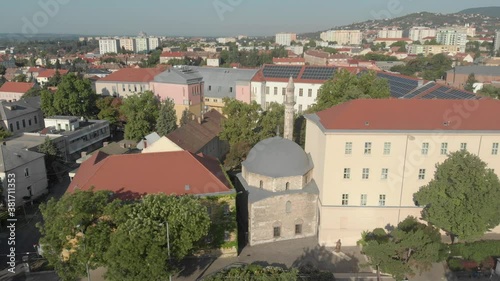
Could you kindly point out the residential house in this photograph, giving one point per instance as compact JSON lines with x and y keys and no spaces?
{"x":289,"y":61}
{"x":148,"y":141}
{"x":12,"y":91}
{"x":44,"y":76}
{"x":127,"y":81}
{"x":166,"y":56}
{"x":28,"y":170}
{"x":22,"y":116}
{"x":358,"y":157}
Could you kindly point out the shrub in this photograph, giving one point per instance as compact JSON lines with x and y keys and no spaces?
{"x":477,"y":251}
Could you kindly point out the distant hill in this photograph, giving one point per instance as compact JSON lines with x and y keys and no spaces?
{"x":485,"y":11}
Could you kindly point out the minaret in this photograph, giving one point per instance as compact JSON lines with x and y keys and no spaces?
{"x":289,"y":110}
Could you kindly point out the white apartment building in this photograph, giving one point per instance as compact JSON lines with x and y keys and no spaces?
{"x":418,"y":33}
{"x":497,"y":41}
{"x":343,"y":37}
{"x":141,"y":44}
{"x":109,"y":46}
{"x":285,"y":39}
{"x":435,"y":49}
{"x":128,"y":44}
{"x":225,"y":40}
{"x":154,"y":42}
{"x":371,"y":156}
{"x":451,"y":37}
{"x":390,"y":33}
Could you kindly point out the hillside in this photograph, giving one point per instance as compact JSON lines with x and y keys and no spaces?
{"x":485,"y":11}
{"x":427,"y":19}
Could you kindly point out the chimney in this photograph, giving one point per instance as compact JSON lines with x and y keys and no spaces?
{"x":145,"y":142}
{"x":104,"y":144}
{"x":420,"y":82}
{"x":84,"y":153}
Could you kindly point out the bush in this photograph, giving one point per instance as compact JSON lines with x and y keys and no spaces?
{"x":455,"y":264}
{"x":477,"y":251}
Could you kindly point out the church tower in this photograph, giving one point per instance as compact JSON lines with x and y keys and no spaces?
{"x":289,"y":110}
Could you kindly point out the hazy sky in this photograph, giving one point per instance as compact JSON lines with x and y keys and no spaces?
{"x":205,"y":17}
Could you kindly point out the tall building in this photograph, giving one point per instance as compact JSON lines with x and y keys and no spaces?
{"x":497,"y":41}
{"x":109,"y":45}
{"x":141,"y":44}
{"x":451,"y":37}
{"x":418,"y":33}
{"x":343,"y":37}
{"x":390,"y":33}
{"x":128,"y":44}
{"x":285,"y":39}
{"x":154,"y":42}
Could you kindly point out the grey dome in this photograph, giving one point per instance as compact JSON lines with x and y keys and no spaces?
{"x":277,"y":157}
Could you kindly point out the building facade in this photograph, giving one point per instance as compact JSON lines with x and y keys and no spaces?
{"x":141,"y":44}
{"x":418,"y":33}
{"x":451,"y":37}
{"x":368,"y":166}
{"x":435,"y":49}
{"x":153,"y":42}
{"x":128,"y":44}
{"x":127,"y":81}
{"x":12,"y":91}
{"x":497,"y":42}
{"x":22,"y":116}
{"x":109,"y":46}
{"x":343,"y":37}
{"x":285,"y":39}
{"x":390,"y":33}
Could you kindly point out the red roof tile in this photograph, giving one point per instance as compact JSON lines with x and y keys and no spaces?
{"x":144,"y":75}
{"x":48,"y":73}
{"x":411,"y":115}
{"x":16,"y":87}
{"x":151,"y":173}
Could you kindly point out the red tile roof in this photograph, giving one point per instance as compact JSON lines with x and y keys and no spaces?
{"x":16,"y":87}
{"x":143,"y":75}
{"x":131,"y":176}
{"x":35,"y":69}
{"x":48,"y":73}
{"x":411,"y":115}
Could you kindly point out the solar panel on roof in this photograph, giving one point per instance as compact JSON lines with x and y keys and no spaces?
{"x":420,"y":90}
{"x":281,"y":71}
{"x":399,"y":86}
{"x":318,"y":73}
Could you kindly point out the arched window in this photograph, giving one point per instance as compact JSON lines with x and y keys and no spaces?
{"x":287,"y":186}
{"x":261,"y":184}
{"x":288,"y":207}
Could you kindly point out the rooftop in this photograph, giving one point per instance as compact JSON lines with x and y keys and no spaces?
{"x":183,"y":75}
{"x":218,"y":81}
{"x":28,"y":140}
{"x":149,"y":173}
{"x":9,"y":110}
{"x":12,"y":157}
{"x":16,"y":87}
{"x":476,"y":69}
{"x":409,"y":115}
{"x":139,"y":75}
{"x":48,"y":73}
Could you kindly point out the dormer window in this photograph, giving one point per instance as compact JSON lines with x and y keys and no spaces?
{"x":26,"y":172}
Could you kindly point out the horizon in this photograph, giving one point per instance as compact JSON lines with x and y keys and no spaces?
{"x":215,"y":18}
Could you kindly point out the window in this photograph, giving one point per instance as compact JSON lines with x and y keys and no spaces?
{"x":463,"y":146}
{"x":287,"y":186}
{"x":494,"y":149}
{"x":348,"y":148}
{"x":29,"y":122}
{"x":36,"y":120}
{"x":283,"y":91}
{"x":17,"y":125}
{"x":11,"y":127}
{"x":366,"y":173}
{"x":444,"y":148}
{"x":267,"y":90}
{"x":261,"y":184}
{"x":385,"y":172}
{"x":364,"y":199}
{"x":381,"y":200}
{"x":421,"y":174}
{"x":345,"y":199}
{"x":135,"y":88}
{"x":26,"y":172}
{"x":288,"y":207}
{"x":209,"y":88}
{"x":230,"y":89}
{"x":123,"y":87}
{"x":301,"y":92}
{"x":387,"y":148}
{"x":368,"y":148}
{"x":298,"y":229}
{"x":277,"y":231}
{"x":309,"y":93}
{"x":347,"y":173}
{"x":207,"y":99}
{"x":24,"y":123}
{"x":425,"y":148}
{"x":275,"y":91}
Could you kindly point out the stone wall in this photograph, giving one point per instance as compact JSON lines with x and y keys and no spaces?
{"x":274,"y":184}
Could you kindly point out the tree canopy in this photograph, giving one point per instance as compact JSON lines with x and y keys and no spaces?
{"x":469,"y":84}
{"x":345,"y":86}
{"x":167,"y":119}
{"x":141,"y":112}
{"x":429,"y":68}
{"x":410,"y":247}
{"x":490,"y":91}
{"x":109,"y":109}
{"x":33,"y":92}
{"x":462,"y":198}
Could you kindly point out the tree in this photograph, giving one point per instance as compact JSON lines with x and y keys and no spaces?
{"x":33,"y":92}
{"x":490,"y":91}
{"x":2,"y":70}
{"x":237,"y":153}
{"x":186,"y":117}
{"x":257,"y":273}
{"x":109,"y":109}
{"x":51,"y":156}
{"x":271,"y":121}
{"x":141,"y":112}
{"x":401,"y":45}
{"x":74,"y":97}
{"x":431,"y":42}
{"x":463,"y":197}
{"x":20,"y":78}
{"x":55,"y":80}
{"x":138,"y":248}
{"x":410,"y":247}
{"x":4,"y":133}
{"x":75,"y":231}
{"x":469,"y":84}
{"x":167,"y":119}
{"x":57,"y":65}
{"x":241,"y":123}
{"x":345,"y":86}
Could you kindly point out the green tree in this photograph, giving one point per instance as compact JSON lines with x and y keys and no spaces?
{"x":257,"y":273}
{"x":74,"y":97}
{"x":431,"y":42}
{"x":271,"y":121}
{"x":410,"y":247}
{"x":345,"y":86}
{"x":109,"y":109}
{"x":167,"y":119}
{"x":55,"y":80}
{"x":2,"y":70}
{"x":463,"y":197}
{"x":139,"y":247}
{"x":47,"y":103}
{"x":242,"y":122}
{"x":4,"y":133}
{"x":186,"y":117}
{"x":33,"y":92}
{"x":57,"y":65}
{"x":401,"y":45}
{"x":490,"y":91}
{"x":51,"y":156}
{"x":75,"y":231}
{"x":469,"y":84}
{"x":20,"y":78}
{"x":141,"y":112}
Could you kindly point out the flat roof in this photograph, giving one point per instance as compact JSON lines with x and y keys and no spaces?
{"x":60,"y":117}
{"x":27,"y":141}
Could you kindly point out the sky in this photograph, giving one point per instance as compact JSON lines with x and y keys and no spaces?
{"x":206,"y":17}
